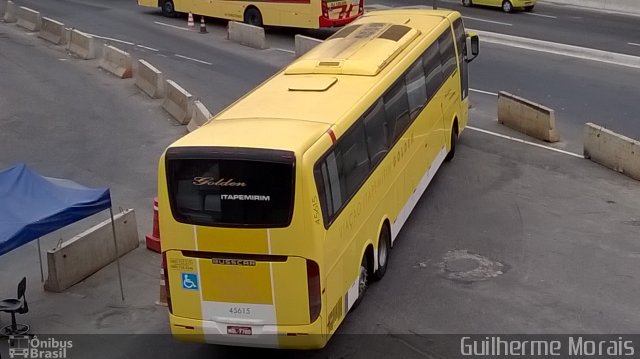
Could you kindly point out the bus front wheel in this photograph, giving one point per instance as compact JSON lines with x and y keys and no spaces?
{"x":168,"y":9}
{"x":454,"y":139}
{"x":384,"y":249}
{"x":253,"y":17}
{"x":466,"y":3}
{"x":507,"y":6}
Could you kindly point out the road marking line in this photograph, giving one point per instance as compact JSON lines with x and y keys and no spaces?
{"x":173,"y":26}
{"x":192,"y":59}
{"x":541,"y":15}
{"x":284,"y":50}
{"x":484,"y":92}
{"x":525,"y":142}
{"x":633,"y":44}
{"x":490,"y":21}
{"x":148,"y":48}
{"x":110,"y":39}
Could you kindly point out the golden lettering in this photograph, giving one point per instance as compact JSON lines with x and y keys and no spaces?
{"x":221,"y":182}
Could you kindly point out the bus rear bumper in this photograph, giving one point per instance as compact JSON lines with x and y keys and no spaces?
{"x":263,"y":336}
{"x":326,"y":22}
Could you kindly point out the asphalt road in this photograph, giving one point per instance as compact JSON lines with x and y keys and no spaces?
{"x":580,"y":91}
{"x":562,"y":230}
{"x":550,"y":22}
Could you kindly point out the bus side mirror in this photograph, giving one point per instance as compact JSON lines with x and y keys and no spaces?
{"x":473,"y":43}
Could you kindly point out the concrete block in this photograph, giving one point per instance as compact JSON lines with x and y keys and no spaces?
{"x":82,"y":45}
{"x":304,"y":44}
{"x":3,"y":8}
{"x":116,"y":61}
{"x":11,"y":12}
{"x":90,"y":251}
{"x":199,"y":116}
{"x":612,"y":150}
{"x":248,"y":35}
{"x":527,"y":117}
{"x":177,"y":102}
{"x":52,"y":31}
{"x":28,"y":19}
{"x":149,"y":79}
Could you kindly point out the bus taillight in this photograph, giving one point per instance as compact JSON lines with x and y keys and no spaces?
{"x":166,"y":281}
{"x":313,"y":283}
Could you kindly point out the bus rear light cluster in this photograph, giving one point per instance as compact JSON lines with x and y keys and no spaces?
{"x":313,"y":283}
{"x":166,"y":281}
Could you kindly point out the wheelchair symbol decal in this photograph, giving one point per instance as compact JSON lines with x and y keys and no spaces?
{"x":190,"y":281}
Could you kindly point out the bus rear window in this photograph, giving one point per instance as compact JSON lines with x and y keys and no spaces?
{"x":231,"y":187}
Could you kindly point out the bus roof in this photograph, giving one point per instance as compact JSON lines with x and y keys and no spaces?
{"x":298,"y":105}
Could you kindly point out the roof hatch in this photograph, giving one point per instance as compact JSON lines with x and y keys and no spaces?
{"x":363,"y":49}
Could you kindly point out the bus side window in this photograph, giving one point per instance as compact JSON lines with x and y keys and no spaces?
{"x":355,"y":160}
{"x":433,"y":69}
{"x":416,"y":88}
{"x":396,"y":106}
{"x":447,"y":53}
{"x":376,"y":129}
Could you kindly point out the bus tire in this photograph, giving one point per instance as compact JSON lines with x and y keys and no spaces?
{"x":384,"y":250}
{"x":454,"y":139}
{"x":507,"y":6}
{"x":363,"y":281}
{"x":168,"y":10}
{"x":252,"y":16}
{"x":528,"y":8}
{"x":467,"y":3}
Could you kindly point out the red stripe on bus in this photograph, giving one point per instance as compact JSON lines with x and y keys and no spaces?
{"x":332,"y":135}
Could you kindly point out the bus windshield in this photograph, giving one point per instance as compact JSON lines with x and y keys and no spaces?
{"x":231,"y":188}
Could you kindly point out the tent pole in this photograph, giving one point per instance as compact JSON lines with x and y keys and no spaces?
{"x":40,"y":259}
{"x":115,"y":244}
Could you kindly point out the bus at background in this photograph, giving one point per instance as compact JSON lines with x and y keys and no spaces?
{"x":277,"y":213}
{"x":312,"y":14}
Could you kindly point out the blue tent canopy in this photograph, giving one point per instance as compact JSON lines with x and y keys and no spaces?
{"x":32,"y":205}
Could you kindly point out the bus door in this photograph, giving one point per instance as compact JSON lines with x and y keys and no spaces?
{"x":450,"y":72}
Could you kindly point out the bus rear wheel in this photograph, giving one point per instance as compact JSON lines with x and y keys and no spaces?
{"x":168,"y":9}
{"x":466,"y":3}
{"x":528,"y":8}
{"x":363,"y":281}
{"x":253,"y":17}
{"x":384,"y":250}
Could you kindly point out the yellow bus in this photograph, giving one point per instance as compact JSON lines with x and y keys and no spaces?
{"x":277,"y":213}
{"x":312,"y":14}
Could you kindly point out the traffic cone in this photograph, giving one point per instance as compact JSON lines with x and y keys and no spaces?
{"x":190,"y":22}
{"x":203,"y":26}
{"x":163,"y":290}
{"x":153,"y":238}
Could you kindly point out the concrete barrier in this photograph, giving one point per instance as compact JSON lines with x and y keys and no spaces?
{"x":10,"y":12}
{"x":3,"y":8}
{"x":52,"y":31}
{"x":149,"y":79}
{"x":527,"y":117}
{"x":29,"y":19}
{"x":90,"y":251}
{"x":116,"y":61}
{"x":304,"y":44}
{"x":248,"y":35}
{"x":199,"y":116}
{"x":82,"y":45}
{"x":177,"y":102}
{"x":612,"y":150}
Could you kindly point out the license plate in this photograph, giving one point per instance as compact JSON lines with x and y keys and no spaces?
{"x":234,"y":330}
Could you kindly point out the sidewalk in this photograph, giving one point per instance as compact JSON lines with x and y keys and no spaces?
{"x":621,"y":6}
